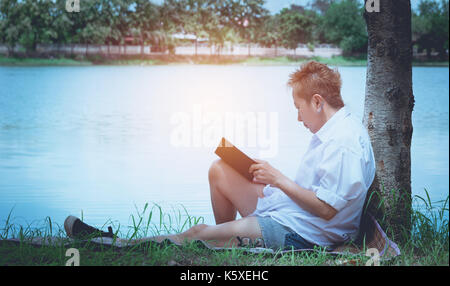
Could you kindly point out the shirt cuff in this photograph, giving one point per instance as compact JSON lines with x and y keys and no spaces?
{"x":268,"y":190}
{"x":331,"y":198}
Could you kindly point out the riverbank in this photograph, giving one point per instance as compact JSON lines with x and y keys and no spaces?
{"x":199,"y":60}
{"x":427,"y":244}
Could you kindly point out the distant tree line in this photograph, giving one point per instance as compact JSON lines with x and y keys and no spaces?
{"x":430,"y":27}
{"x":141,"y":22}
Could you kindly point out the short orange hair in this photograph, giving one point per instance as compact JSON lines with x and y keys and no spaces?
{"x":314,"y":77}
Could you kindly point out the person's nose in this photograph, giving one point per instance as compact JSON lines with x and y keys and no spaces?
{"x":299,"y":117}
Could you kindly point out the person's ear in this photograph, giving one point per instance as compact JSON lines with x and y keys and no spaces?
{"x":320,"y":108}
{"x":318,"y":101}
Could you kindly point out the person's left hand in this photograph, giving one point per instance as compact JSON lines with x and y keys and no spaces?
{"x":264,"y":173}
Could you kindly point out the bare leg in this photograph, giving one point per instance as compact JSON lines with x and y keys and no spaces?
{"x":230,"y":192}
{"x":224,"y":234}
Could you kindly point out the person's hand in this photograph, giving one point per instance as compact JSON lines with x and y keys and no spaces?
{"x":264,"y":173}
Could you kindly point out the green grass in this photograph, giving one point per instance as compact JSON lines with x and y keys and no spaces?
{"x":428,"y":244}
{"x":5,"y":61}
{"x":201,"y":60}
{"x":429,"y":64}
{"x":335,"y":61}
{"x":134,"y":62}
{"x":148,"y":222}
{"x":428,"y":241}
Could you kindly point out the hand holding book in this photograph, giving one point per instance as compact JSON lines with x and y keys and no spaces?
{"x":255,"y":170}
{"x":264,"y":173}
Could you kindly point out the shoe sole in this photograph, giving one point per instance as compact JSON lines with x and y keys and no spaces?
{"x":68,"y":225}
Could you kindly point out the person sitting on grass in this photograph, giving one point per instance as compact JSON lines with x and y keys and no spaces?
{"x":322,"y":206}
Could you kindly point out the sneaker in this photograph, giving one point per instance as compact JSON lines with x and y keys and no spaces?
{"x":75,"y":228}
{"x":248,"y":242}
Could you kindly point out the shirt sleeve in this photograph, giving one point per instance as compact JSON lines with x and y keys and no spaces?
{"x":340,"y":177}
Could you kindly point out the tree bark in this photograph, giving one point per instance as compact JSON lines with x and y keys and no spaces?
{"x":196,"y":43}
{"x":142,"y":48}
{"x":10,"y":51}
{"x":389,"y":102}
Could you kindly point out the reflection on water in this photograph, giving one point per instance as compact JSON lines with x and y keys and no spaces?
{"x":97,"y":139}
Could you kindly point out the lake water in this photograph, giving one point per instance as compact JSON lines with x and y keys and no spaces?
{"x":104,"y":140}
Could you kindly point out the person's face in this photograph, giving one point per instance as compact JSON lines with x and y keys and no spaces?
{"x":308,"y":112}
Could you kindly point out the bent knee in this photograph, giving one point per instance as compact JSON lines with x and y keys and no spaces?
{"x":196,"y":229}
{"x":215,"y":170}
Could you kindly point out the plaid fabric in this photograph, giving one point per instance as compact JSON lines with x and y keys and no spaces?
{"x":376,"y":238}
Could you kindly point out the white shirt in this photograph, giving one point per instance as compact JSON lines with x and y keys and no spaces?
{"x":339,"y":167}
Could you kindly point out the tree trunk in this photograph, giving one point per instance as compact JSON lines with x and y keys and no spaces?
{"x":142,"y":48}
{"x":428,"y":53}
{"x":388,"y":107}
{"x":10,"y":51}
{"x":196,"y":43}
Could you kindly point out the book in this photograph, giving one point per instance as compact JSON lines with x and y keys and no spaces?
{"x":235,"y":158}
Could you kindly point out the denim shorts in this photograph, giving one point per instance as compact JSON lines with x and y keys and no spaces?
{"x":277,"y":236}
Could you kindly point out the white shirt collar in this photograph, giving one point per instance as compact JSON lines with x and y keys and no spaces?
{"x":325,"y":131}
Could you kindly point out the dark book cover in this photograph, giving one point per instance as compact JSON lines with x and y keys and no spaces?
{"x":235,"y":158}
